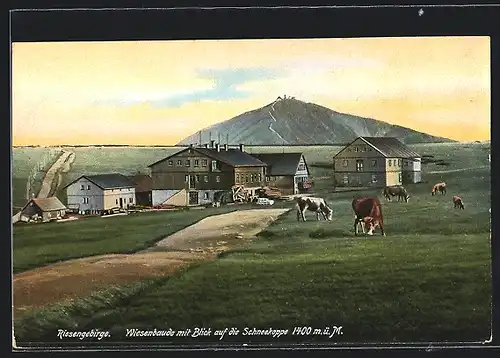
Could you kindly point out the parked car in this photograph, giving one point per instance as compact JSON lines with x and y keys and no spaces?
{"x":264,"y":201}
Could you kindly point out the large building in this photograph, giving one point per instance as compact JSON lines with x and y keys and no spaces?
{"x":286,"y":171}
{"x":193,"y":175}
{"x":376,"y":162}
{"x":92,"y":194}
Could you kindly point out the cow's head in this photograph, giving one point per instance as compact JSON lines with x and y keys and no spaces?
{"x":370,"y":223}
{"x":329,"y":214}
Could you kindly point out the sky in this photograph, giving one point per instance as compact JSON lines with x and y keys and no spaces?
{"x":159,"y":92}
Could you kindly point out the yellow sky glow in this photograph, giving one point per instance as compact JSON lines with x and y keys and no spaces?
{"x":122,"y":92}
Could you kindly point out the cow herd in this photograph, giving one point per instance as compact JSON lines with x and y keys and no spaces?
{"x":367,"y":209}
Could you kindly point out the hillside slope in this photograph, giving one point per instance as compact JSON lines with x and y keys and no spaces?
{"x":289,"y":121}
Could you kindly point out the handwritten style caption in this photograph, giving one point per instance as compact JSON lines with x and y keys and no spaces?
{"x":233,"y":331}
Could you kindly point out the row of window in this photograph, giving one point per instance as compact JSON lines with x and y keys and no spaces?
{"x":391,"y":162}
{"x":85,"y":200}
{"x":248,"y":178}
{"x":196,"y":163}
{"x":374,"y":178}
{"x":82,"y":187}
{"x":359,"y":148}
{"x":205,"y":178}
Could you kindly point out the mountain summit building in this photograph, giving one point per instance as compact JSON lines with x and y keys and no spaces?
{"x":376,"y":162}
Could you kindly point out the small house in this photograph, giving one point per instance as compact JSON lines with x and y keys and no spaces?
{"x":376,"y":162}
{"x":286,"y":171}
{"x":94,"y":194}
{"x":43,"y":209}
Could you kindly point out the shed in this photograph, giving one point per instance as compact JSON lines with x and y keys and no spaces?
{"x":43,"y":209}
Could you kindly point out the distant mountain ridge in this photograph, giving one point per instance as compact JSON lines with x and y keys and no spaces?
{"x":288,"y":121}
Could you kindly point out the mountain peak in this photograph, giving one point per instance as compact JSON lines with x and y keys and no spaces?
{"x":289,"y":121}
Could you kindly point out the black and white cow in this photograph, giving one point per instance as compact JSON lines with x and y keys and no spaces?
{"x":316,"y":205}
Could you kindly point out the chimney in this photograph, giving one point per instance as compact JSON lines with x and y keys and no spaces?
{"x":212,"y":143}
{"x":217,"y":146}
{"x":242,"y":147}
{"x":225,"y":147}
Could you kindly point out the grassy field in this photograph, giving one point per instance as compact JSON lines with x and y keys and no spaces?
{"x":428,"y":280}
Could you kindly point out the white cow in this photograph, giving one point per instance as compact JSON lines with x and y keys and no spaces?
{"x":316,"y":205}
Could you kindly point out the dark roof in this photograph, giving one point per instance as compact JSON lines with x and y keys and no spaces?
{"x":143,"y":182}
{"x":280,"y":163}
{"x":391,"y":147}
{"x":48,"y":204}
{"x":233,"y":157}
{"x":107,"y":181}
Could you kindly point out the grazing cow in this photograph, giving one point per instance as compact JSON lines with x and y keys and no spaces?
{"x":441,"y":187}
{"x":458,"y":203}
{"x":396,"y":190}
{"x":368,"y":211}
{"x":316,"y":205}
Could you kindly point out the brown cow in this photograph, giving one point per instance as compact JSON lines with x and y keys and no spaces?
{"x":396,"y":190}
{"x":368,"y":211}
{"x":458,"y":203}
{"x":441,"y":187}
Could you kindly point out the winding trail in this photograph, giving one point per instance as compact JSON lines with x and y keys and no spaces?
{"x":271,"y":124}
{"x":48,"y":181}
{"x":201,"y":241}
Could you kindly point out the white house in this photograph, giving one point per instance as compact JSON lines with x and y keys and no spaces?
{"x":96,"y":193}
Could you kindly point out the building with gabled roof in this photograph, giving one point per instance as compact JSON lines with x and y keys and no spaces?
{"x":143,"y":184}
{"x":193,"y":175}
{"x":286,"y":171}
{"x":376,"y":162}
{"x":43,"y":209}
{"x":94,"y":194}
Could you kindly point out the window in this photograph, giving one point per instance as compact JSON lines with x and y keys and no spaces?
{"x":188,"y":163}
{"x":116,"y":201}
{"x":267,"y":178}
{"x":179,"y":162}
{"x":204,"y":162}
{"x":390,"y":162}
{"x":214,"y":165}
{"x":186,"y":178}
{"x":205,"y":178}
{"x":246,"y":178}
{"x":359,"y":165}
{"x":88,"y":187}
{"x":346,"y":163}
{"x":130,"y":200}
{"x":197,"y":178}
{"x":206,"y":195}
{"x":302,"y":166}
{"x":260,"y":177}
{"x":406,"y":163}
{"x":399,"y":162}
{"x":85,"y":200}
{"x":400,"y":177}
{"x":357,"y":149}
{"x":82,"y":187}
{"x":170,"y":163}
{"x":251,"y":177}
{"x":374,"y":163}
{"x":196,"y":162}
{"x":374,"y":178}
{"x":217,"y":179}
{"x":237,"y":178}
{"x":346,"y":179}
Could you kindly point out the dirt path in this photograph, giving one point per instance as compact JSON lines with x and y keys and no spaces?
{"x":48,"y":181}
{"x":201,"y":241}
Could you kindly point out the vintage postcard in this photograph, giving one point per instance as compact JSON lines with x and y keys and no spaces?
{"x":243,"y":192}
